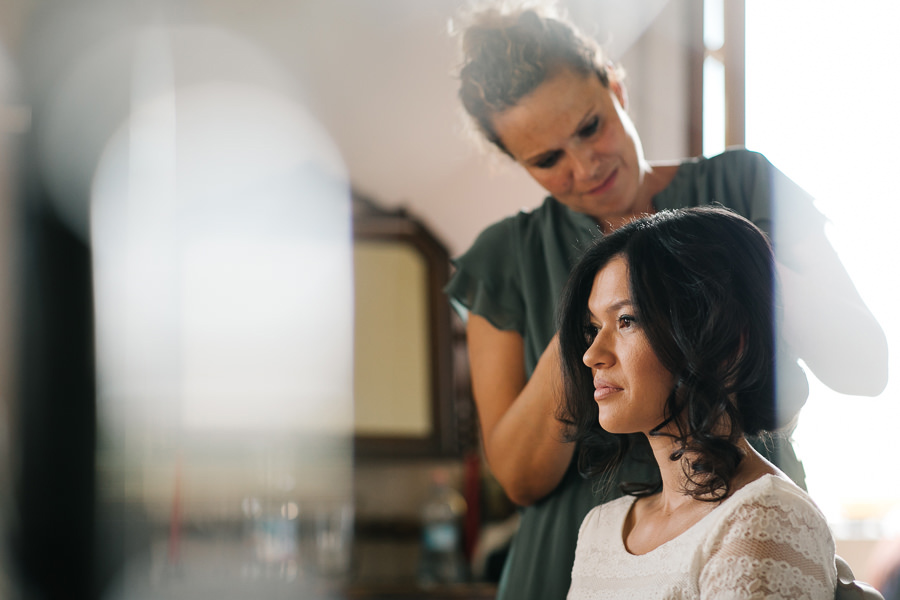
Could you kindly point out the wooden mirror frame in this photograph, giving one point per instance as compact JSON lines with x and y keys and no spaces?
{"x":372,"y":223}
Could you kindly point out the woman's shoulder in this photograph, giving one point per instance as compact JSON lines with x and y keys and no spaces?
{"x":731,"y":161}
{"x":735,"y":179}
{"x":609,"y":515}
{"x":772,"y":487}
{"x":501,"y":232}
{"x":496,"y":276}
{"x":549,"y":216}
{"x":610,"y":509}
{"x":775,"y":536}
{"x":770,"y":499}
{"x":529,"y":232}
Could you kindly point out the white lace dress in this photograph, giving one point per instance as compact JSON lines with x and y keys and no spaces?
{"x":768,"y":540}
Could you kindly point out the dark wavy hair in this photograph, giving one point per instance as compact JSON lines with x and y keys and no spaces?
{"x":702,"y":283}
{"x":507,"y":55}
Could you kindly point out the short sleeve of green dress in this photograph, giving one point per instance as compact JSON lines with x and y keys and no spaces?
{"x":517,"y":268}
{"x":513,"y":275}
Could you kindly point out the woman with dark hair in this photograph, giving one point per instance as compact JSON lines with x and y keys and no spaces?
{"x":545,"y":95}
{"x":667,"y":341}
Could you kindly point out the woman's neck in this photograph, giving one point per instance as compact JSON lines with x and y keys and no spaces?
{"x":657,"y":519}
{"x":675,"y":480}
{"x":654,"y":179}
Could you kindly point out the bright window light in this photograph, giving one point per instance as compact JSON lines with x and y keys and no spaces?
{"x":821,"y":104}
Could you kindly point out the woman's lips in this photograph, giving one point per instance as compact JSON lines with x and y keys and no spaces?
{"x":606,"y":184}
{"x":603,"y":390}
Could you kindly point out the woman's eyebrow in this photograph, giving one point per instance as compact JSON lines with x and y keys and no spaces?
{"x":614,"y":307}
{"x":583,"y":121}
{"x":547,"y":154}
{"x":538,"y":158}
{"x":619,"y":304}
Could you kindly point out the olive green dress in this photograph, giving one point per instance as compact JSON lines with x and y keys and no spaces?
{"x":513,"y":275}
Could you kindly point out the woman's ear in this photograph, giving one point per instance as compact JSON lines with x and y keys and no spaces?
{"x":617,"y":87}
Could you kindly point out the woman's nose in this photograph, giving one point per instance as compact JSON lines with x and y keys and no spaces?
{"x":598,"y":354}
{"x":583,"y":163}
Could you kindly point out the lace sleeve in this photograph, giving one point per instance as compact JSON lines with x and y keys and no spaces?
{"x":772,"y":547}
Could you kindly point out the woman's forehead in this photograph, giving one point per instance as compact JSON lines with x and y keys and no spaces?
{"x":549,"y":115}
{"x":611,"y":289}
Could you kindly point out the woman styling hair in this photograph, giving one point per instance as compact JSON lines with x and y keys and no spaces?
{"x":544,"y":95}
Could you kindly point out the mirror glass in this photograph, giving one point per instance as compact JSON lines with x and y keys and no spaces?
{"x":392,"y":371}
{"x":402,"y":370}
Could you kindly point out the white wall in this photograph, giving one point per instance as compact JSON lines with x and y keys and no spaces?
{"x":379,"y":75}
{"x":400,"y":129}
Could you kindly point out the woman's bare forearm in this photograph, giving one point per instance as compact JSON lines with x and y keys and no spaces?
{"x":523,"y":439}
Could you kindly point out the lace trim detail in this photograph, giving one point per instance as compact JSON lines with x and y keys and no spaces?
{"x":742,"y":577}
{"x":772,"y":547}
{"x":767,"y":541}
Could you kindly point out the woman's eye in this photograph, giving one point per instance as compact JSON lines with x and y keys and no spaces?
{"x":590,"y":129}
{"x":548,"y":161}
{"x":627,"y":321}
{"x":590,"y":332}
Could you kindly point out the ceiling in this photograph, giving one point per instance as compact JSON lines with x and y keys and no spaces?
{"x":376,"y":76}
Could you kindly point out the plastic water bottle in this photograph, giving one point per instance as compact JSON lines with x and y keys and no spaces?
{"x":441,"y":560}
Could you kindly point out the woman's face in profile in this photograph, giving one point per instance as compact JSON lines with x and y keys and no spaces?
{"x":574,"y":138}
{"x":630,"y":383}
